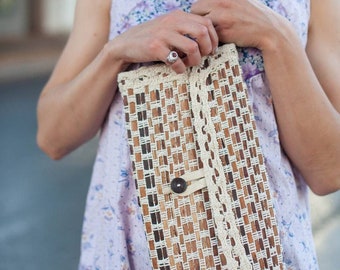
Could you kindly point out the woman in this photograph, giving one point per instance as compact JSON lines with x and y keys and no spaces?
{"x":290,"y":47}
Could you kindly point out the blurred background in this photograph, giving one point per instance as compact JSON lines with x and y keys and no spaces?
{"x":42,"y":201}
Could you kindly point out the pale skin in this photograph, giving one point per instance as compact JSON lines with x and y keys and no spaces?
{"x":305,"y":83}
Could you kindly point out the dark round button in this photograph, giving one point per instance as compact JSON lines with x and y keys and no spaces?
{"x":178,"y":185}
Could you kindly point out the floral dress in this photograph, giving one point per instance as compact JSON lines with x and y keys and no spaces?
{"x":113,"y":235}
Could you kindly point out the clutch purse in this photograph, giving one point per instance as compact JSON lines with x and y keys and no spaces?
{"x":199,"y":171}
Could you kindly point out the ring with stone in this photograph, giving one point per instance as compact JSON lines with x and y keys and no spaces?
{"x":172,"y":57}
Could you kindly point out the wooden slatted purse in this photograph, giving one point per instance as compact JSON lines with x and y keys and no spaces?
{"x":199,"y":171}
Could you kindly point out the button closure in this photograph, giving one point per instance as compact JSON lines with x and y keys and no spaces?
{"x":178,"y":185}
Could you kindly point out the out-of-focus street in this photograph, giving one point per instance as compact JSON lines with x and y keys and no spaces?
{"x":42,"y":201}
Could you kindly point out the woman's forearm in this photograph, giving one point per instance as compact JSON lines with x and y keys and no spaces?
{"x":71,"y":113}
{"x":309,"y":124}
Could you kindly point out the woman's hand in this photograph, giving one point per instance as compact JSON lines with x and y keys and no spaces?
{"x":245,"y":23}
{"x":190,"y":35}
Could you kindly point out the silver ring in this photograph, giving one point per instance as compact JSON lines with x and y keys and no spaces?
{"x":172,"y":57}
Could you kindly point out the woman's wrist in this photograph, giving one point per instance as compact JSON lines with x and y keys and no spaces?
{"x":112,"y":55}
{"x":279,"y":38}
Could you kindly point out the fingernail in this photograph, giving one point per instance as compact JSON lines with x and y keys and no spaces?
{"x":213,"y":51}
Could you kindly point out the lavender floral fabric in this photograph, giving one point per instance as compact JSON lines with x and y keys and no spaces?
{"x":113,"y":236}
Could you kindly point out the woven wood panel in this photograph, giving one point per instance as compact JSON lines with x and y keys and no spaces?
{"x":200,"y":122}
